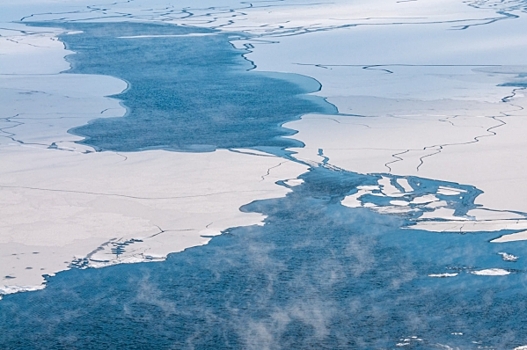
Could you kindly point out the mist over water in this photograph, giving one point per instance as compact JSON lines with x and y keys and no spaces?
{"x":316,"y":275}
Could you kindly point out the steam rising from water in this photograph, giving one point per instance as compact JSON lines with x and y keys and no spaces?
{"x":317,"y":275}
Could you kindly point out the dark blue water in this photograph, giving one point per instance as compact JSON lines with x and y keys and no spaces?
{"x":317,"y":275}
{"x":189,"y":93}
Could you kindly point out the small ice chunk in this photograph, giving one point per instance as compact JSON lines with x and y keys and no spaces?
{"x":491,"y":272}
{"x":513,"y":237}
{"x":508,"y":257}
{"x":293,"y":182}
{"x":399,"y":203}
{"x":394,"y":210}
{"x":368,"y":187}
{"x":352,"y":201}
{"x":388,"y":189}
{"x":438,"y":204}
{"x":442,"y":275}
{"x":428,"y":198}
{"x":448,"y":191}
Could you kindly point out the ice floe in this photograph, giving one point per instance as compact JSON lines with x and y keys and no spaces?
{"x":459,"y":119}
{"x":65,"y":205}
{"x":508,"y":257}
{"x":442,"y":275}
{"x":491,"y":272}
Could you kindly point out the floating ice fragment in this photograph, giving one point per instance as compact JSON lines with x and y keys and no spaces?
{"x":491,"y":272}
{"x":508,"y":257}
{"x":352,"y":202}
{"x":443,"y":275}
{"x":293,"y":182}
{"x":399,"y":203}
{"x":405,"y":185}
{"x":425,"y":199}
{"x":513,"y":237}
{"x":448,"y":191}
{"x":368,"y":187}
{"x":388,"y":189}
{"x":393,"y":210}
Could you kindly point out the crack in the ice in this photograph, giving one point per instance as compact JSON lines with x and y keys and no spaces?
{"x":11,"y":135}
{"x":161,"y":231}
{"x":446,"y":120}
{"x":377,"y":68}
{"x":397,"y":159}
{"x":348,"y":115}
{"x":511,"y":96}
{"x":125,"y":158}
{"x":505,"y":211}
{"x":82,"y":263}
{"x":490,"y":132}
{"x":252,"y":153}
{"x":366,"y":66}
{"x":224,"y":16}
{"x":9,"y":120}
{"x":269,"y":170}
{"x":325,"y":159}
{"x":129,"y":196}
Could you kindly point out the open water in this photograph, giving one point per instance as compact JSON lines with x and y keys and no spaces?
{"x":317,"y":275}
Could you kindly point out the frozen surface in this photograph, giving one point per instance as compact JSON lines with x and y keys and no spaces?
{"x":67,"y":206}
{"x":253,"y":284}
{"x":74,"y":214}
{"x":407,"y":182}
